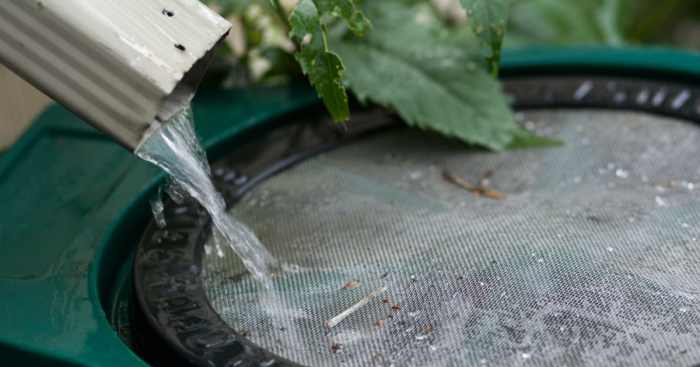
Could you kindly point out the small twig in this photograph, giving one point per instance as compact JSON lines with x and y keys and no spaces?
{"x":352,"y":284}
{"x":361,"y":303}
{"x":476,"y":190}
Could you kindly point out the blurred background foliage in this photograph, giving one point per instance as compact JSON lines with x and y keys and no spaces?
{"x":613,"y":22}
{"x":259,"y":50}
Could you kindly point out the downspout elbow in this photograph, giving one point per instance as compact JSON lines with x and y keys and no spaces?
{"x":119,"y":65}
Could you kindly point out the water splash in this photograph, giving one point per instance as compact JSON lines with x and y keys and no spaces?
{"x":174,"y":147}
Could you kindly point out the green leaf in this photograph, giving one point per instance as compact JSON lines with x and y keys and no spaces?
{"x":432,"y":80}
{"x":348,"y":11}
{"x":524,"y":139}
{"x":488,"y":19}
{"x":326,"y":77}
{"x":324,"y":68}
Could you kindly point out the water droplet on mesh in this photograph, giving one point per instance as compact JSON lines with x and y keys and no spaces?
{"x":688,"y":185}
{"x":621,"y":173}
{"x":420,"y":337}
{"x":526,"y":355}
{"x":661,"y":201}
{"x":415,"y":175}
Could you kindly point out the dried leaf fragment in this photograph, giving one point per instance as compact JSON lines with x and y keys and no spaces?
{"x":478,"y":191}
{"x":352,"y":284}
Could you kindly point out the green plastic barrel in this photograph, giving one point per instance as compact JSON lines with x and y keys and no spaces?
{"x":582,"y":254}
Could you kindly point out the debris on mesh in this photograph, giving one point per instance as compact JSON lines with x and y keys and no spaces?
{"x":477,"y":191}
{"x":582,"y":265}
{"x":352,"y":284}
{"x":354,"y":308}
{"x":335,"y":347}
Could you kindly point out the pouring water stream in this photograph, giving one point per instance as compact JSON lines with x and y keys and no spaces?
{"x":175,"y":148}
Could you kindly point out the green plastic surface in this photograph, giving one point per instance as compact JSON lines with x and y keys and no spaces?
{"x":74,"y":204}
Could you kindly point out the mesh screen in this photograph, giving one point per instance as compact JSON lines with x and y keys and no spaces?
{"x":590,"y":258}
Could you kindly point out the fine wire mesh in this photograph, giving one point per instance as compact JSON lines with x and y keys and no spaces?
{"x":590,"y":259}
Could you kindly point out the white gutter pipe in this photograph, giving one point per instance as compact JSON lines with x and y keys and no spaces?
{"x":121,"y":65}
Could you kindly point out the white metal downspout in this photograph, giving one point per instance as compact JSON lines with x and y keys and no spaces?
{"x":119,"y":64}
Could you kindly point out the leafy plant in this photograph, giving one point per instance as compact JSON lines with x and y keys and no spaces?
{"x":433,"y":77}
{"x":435,"y":68}
{"x":401,"y":54}
{"x":310,"y":22}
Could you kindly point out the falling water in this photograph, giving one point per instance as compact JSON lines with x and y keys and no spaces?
{"x":174,"y":147}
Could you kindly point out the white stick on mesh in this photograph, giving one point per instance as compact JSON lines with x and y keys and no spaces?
{"x":361,"y":303}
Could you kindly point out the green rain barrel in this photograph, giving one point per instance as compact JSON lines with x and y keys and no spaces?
{"x":581,"y":254}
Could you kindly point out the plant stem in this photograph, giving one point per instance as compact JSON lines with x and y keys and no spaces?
{"x":281,"y":12}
